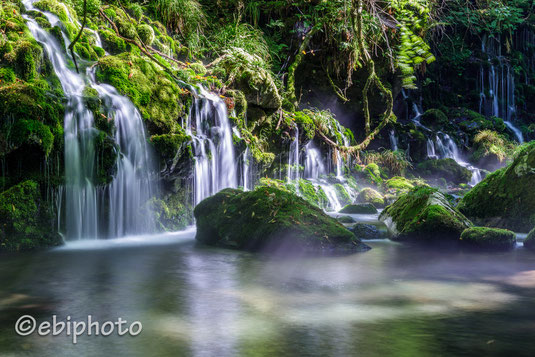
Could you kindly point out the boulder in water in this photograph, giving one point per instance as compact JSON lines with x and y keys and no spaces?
{"x":361,"y":208}
{"x":505,"y":198}
{"x":529,"y":242}
{"x":366,"y":231}
{"x":345,"y":219}
{"x":448,"y":169}
{"x":424,"y":215}
{"x":369,"y":195}
{"x":269,"y":219}
{"x":488,"y":238}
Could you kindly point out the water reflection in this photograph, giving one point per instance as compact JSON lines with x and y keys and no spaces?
{"x":196,"y":301}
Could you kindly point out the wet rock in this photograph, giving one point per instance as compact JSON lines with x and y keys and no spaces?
{"x":362,"y":208}
{"x":424,"y":215}
{"x":447,"y":169}
{"x":369,"y":195}
{"x":366,"y":231}
{"x":483,"y":238}
{"x":529,"y":242}
{"x":273,"y":220}
{"x":505,"y":198}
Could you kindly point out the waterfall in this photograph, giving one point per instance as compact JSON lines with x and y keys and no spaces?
{"x":215,"y":163}
{"x":393,"y":140}
{"x":247,"y":178}
{"x":314,"y":166}
{"x":500,"y":83}
{"x":431,"y":153}
{"x":85,"y":204}
{"x":293,"y":157}
{"x":447,"y":149}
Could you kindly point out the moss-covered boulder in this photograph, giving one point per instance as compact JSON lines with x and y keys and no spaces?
{"x":484,"y":238}
{"x":345,"y":219}
{"x":369,"y":195}
{"x":529,"y":242}
{"x":25,"y":220}
{"x":434,"y":118}
{"x":362,"y":208}
{"x":397,"y":184}
{"x":505,"y":198}
{"x":448,"y":169}
{"x":424,"y":215}
{"x":269,"y":219}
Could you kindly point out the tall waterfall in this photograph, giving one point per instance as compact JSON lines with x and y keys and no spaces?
{"x":293,"y":157}
{"x":86,"y":204}
{"x":215,"y":159}
{"x":499,"y":81}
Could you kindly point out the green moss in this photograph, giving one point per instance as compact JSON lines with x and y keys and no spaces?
{"x":342,"y":194}
{"x":155,"y":94}
{"x":435,"y":118}
{"x":7,"y":75}
{"x":270,"y":219}
{"x":146,"y":34}
{"x":305,"y":124}
{"x":25,"y":221}
{"x":398,"y":184}
{"x":362,"y":208}
{"x":488,"y":238}
{"x":168,"y":145}
{"x":373,"y":173}
{"x":505,"y":198}
{"x":369,"y":195}
{"x":111,"y":42}
{"x":424,"y":215}
{"x":345,"y":219}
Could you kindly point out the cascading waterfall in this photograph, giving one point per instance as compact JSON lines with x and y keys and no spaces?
{"x":215,"y":161}
{"x":293,"y":157}
{"x":446,"y":148}
{"x":500,"y":83}
{"x":131,"y":187}
{"x":393,"y":140}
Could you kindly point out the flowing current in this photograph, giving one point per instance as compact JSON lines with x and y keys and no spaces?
{"x":215,"y":158}
{"x":87,"y":206}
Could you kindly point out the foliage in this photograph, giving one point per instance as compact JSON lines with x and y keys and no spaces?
{"x":395,"y":163}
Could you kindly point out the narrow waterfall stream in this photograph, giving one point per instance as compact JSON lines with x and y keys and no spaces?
{"x":215,"y":158}
{"x":131,"y":187}
{"x":499,"y":80}
{"x":443,"y":147}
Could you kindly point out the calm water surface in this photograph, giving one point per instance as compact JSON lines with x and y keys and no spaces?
{"x":195,"y":301}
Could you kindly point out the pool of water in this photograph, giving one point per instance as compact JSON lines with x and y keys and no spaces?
{"x":394,"y":300}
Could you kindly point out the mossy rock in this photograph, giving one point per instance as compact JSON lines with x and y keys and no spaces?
{"x":434,"y":118}
{"x":398,"y":184}
{"x":373,"y":173}
{"x":269,"y":219}
{"x":505,"y":198}
{"x":488,"y":238}
{"x":25,"y":219}
{"x":341,"y":193}
{"x":448,"y":169}
{"x":155,"y":94}
{"x":424,"y":215}
{"x":529,"y":242}
{"x":369,"y":195}
{"x":146,"y":34}
{"x":363,"y":208}
{"x":345,"y":219}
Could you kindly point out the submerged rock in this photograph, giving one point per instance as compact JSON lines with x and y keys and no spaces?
{"x":269,"y":219}
{"x":424,"y":215}
{"x":362,"y":208}
{"x":529,"y":242}
{"x":366,"y":231}
{"x":369,"y":195}
{"x":505,"y":198}
{"x":25,"y":220}
{"x":488,"y":238}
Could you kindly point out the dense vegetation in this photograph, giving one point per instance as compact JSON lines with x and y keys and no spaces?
{"x":344,"y":74}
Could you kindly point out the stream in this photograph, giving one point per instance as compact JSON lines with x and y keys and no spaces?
{"x":198,"y":301}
